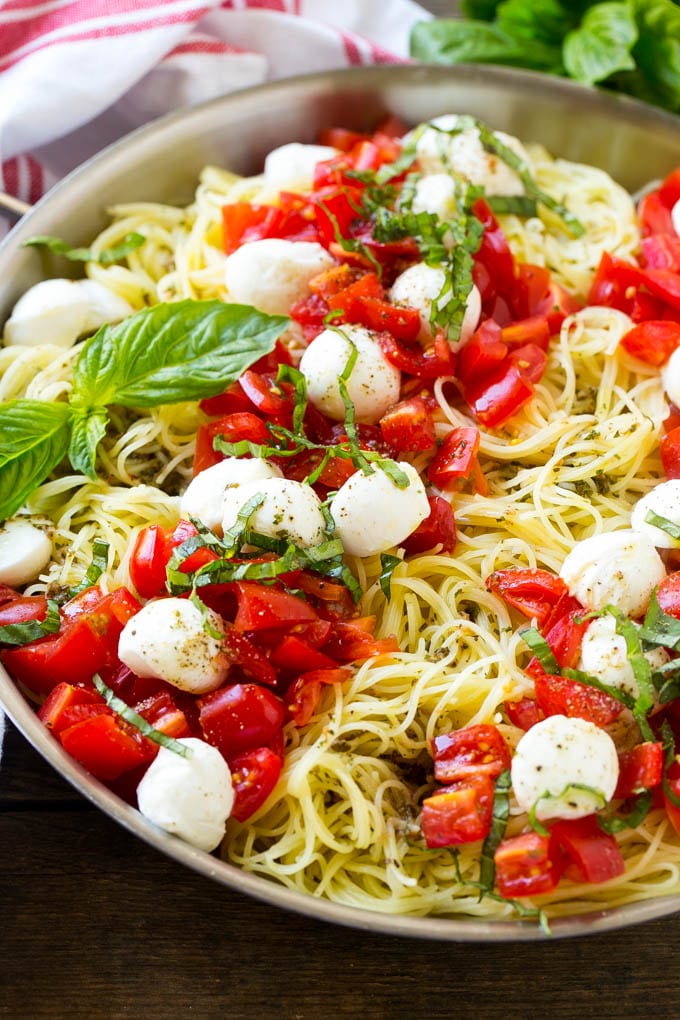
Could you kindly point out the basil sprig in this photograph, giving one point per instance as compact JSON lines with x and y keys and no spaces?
{"x":106,"y":257}
{"x":31,"y":630}
{"x":184,"y":350}
{"x":138,"y":721}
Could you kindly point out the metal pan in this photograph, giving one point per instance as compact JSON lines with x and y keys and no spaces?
{"x":633,"y":142}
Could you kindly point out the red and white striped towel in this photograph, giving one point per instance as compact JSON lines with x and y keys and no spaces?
{"x":77,"y":74}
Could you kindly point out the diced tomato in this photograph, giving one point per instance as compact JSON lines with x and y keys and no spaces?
{"x":456,"y":459}
{"x":535,"y":593}
{"x":531,"y":361}
{"x":668,"y":594}
{"x":353,"y":641}
{"x":338,"y":210}
{"x":233,"y":428}
{"x":594,"y":855}
{"x":341,"y":138}
{"x":499,"y":395}
{"x":303,"y":695}
{"x":531,"y":289}
{"x":614,"y":282}
{"x":265,"y":394}
{"x":243,"y":653}
{"x":661,"y":251}
{"x":652,"y":342}
{"x":438,"y":361}
{"x":22,"y":609}
{"x":654,"y":215}
{"x":244,"y":221}
{"x":57,"y":711}
{"x":494,"y":252}
{"x":564,"y":632}
{"x":533,"y":330}
{"x":295,"y":654}
{"x":334,"y":280}
{"x":671,"y":793}
{"x":484,"y":352}
{"x":524,"y":713}
{"x":161,"y":712}
{"x":232,"y":401}
{"x":640,"y":769}
{"x":473,"y":750}
{"x":558,"y":695}
{"x":403,"y":323}
{"x":439,"y":528}
{"x":106,"y":746}
{"x":459,"y":813}
{"x":409,"y":425}
{"x":670,"y":188}
{"x":527,"y":865}
{"x":669,"y":448}
{"x":240,"y":717}
{"x":148,"y":561}
{"x":263,"y":607}
{"x":254,"y":774}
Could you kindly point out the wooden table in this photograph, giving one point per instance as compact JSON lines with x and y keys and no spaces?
{"x":96,"y":924}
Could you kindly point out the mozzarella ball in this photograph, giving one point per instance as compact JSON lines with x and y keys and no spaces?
{"x":670,"y":377}
{"x":604,"y":655}
{"x":188,"y":797}
{"x":675,"y":217}
{"x":435,"y":193}
{"x":273,"y":274}
{"x":24,"y":551}
{"x":373,"y":386}
{"x":290,"y":510}
{"x":664,"y":501}
{"x":372,"y":514}
{"x":620,"y":568}
{"x":555,"y":756}
{"x":464,"y":154}
{"x":293,"y":165}
{"x":420,"y":286}
{"x":204,"y":495}
{"x":171,"y":639}
{"x":60,"y":311}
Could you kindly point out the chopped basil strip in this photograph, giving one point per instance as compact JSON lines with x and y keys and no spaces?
{"x":138,"y":721}
{"x":659,"y":628}
{"x":31,"y":630}
{"x":642,"y":671}
{"x":663,"y":524}
{"x":208,"y":625}
{"x":668,"y":743}
{"x":106,"y":257}
{"x":98,"y":566}
{"x":666,"y":680}
{"x":591,"y":681}
{"x":541,"y":649}
{"x":499,"y":822}
{"x":387,"y":567}
{"x":634,"y":818}
{"x":294,"y":376}
{"x":553,"y":798}
{"x":520,"y":908}
{"x":516,"y":205}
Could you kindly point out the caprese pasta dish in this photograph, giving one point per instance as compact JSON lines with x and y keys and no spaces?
{"x":342,"y":515}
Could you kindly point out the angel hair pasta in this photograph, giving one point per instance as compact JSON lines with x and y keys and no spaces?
{"x":377,"y":502}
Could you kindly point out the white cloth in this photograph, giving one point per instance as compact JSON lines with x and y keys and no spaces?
{"x":77,"y":74}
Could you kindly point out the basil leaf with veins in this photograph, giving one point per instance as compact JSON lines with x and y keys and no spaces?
{"x":35,"y":439}
{"x":184,"y":350}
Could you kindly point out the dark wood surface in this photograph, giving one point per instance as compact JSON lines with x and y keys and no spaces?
{"x":94,"y":923}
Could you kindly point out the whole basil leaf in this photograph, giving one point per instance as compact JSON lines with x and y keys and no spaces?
{"x":35,"y":439}
{"x":484,"y":9}
{"x":545,"y":21}
{"x":88,"y":429}
{"x":602,"y":44}
{"x":657,"y":52}
{"x":185,"y":350}
{"x":449,"y":41}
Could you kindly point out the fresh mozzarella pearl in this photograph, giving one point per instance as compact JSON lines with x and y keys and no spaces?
{"x":675,"y":217}
{"x":59,"y":311}
{"x":555,"y":756}
{"x":24,"y":552}
{"x":604,"y":655}
{"x":290,"y":510}
{"x":171,"y":639}
{"x":435,"y":193}
{"x":189,"y":797}
{"x":420,"y":286}
{"x":273,"y":274}
{"x":465,"y":155}
{"x":373,"y":385}
{"x":620,"y":568}
{"x":664,"y":501}
{"x":293,"y":164}
{"x":204,"y":495}
{"x":371,"y":514}
{"x":670,"y":377}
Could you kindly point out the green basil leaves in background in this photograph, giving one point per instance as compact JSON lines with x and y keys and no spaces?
{"x":631,"y":46}
{"x":185,"y":350}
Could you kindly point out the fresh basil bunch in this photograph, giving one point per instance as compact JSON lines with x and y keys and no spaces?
{"x":630,"y":46}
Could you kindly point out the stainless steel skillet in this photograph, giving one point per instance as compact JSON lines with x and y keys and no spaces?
{"x":161,"y":162}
